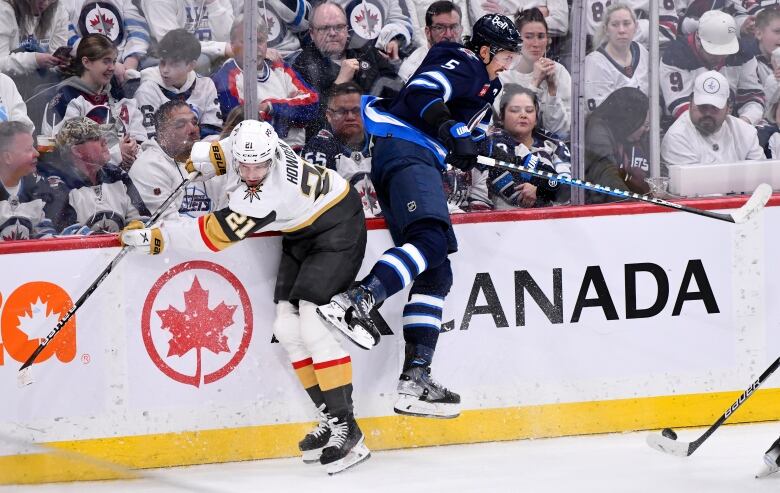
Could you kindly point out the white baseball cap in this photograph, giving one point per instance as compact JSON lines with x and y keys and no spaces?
{"x":718,"y":33}
{"x":711,"y":88}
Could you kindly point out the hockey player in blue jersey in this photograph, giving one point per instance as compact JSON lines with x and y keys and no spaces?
{"x":427,"y":126}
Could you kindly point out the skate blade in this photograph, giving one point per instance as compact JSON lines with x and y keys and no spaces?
{"x":358,"y":454}
{"x":312,"y":456}
{"x":767,"y":470}
{"x":333,"y":315}
{"x":412,"y":406}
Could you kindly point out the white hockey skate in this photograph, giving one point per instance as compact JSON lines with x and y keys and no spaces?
{"x":771,"y":457}
{"x":317,"y":439}
{"x":345,"y":448}
{"x":349,"y":313}
{"x":421,"y":395}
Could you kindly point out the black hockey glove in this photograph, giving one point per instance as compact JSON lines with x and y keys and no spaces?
{"x":457,"y":138}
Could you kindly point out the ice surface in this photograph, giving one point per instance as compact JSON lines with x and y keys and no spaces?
{"x":725,"y":463}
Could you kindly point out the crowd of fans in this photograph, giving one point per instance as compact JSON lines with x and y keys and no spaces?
{"x":102,"y":100}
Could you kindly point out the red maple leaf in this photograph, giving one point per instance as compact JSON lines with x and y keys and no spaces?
{"x":107,"y":24}
{"x":371,"y":20}
{"x":197,"y":327}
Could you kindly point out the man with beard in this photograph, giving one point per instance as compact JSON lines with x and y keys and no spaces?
{"x":344,"y":147}
{"x":442,"y":23}
{"x":707,"y":133}
{"x":159,"y":168}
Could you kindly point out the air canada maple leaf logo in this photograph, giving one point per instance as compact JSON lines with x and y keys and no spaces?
{"x":203,"y":322}
{"x":197,"y":327}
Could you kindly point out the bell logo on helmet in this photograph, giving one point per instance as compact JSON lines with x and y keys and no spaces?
{"x":500,"y":23}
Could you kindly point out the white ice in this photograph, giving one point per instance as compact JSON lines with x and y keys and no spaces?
{"x":726,"y":463}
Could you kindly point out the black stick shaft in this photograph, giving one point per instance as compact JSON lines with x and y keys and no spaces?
{"x":733,"y":408}
{"x":595,"y":187}
{"x":103,"y":275}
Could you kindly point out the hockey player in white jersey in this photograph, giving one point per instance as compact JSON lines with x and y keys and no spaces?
{"x":175,"y":79}
{"x":324,"y":238}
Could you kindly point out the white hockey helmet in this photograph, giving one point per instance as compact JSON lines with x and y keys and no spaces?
{"x":254,"y":142}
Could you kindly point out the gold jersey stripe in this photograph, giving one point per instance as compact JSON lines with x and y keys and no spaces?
{"x":212,"y":234}
{"x":334,"y":376}
{"x":306,"y":376}
{"x":317,"y":214}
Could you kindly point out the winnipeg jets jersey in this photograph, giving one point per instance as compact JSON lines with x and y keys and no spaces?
{"x":603,"y":75}
{"x":199,"y":92}
{"x":22,"y":213}
{"x":294,"y":101}
{"x":450,"y":73}
{"x":119,"y":20}
{"x":291,"y":198}
{"x":681,"y":64}
{"x":18,"y":44}
{"x":324,"y":149}
{"x":376,"y":22}
{"x":209,"y":22}
{"x":104,"y":207}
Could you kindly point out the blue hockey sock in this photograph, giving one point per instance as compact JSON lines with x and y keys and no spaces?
{"x":395,"y":270}
{"x":422,"y":324}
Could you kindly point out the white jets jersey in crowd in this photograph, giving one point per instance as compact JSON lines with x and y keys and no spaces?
{"x":596,"y":10}
{"x":292,"y":197}
{"x":155,"y":175}
{"x":199,"y":92}
{"x":557,"y":21}
{"x":209,"y":22}
{"x":285,"y":19}
{"x":12,"y":107}
{"x":18,"y":44}
{"x":603,"y":75}
{"x":22,"y":220}
{"x":119,"y":20}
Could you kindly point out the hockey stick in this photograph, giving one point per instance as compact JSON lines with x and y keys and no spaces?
{"x":667,"y":440}
{"x":24,"y":376}
{"x":754,"y":204}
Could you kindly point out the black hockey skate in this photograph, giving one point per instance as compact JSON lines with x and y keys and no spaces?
{"x":312,"y":444}
{"x":771,"y":460}
{"x":345,"y":448}
{"x":421,"y":395}
{"x":350,"y":313}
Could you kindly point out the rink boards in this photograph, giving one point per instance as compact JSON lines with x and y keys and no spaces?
{"x":562,"y":322}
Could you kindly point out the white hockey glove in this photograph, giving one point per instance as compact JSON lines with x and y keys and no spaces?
{"x":208,"y":159}
{"x":149,"y":240}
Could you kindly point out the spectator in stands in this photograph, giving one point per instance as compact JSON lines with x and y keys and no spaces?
{"x":595,"y":13}
{"x":98,"y":197}
{"x":554,"y":12}
{"x":442,"y":23}
{"x":233,"y":118}
{"x":285,"y":21}
{"x":208,"y":20}
{"x":768,"y":40}
{"x":175,"y":79}
{"x":387,"y":25}
{"x":614,"y":144}
{"x":12,"y":107}
{"x":549,"y":79}
{"x":91,"y":94}
{"x":286,"y":101}
{"x":515,"y":136}
{"x":713,"y":47}
{"x":345,"y":147}
{"x":618,"y":61}
{"x":327,"y":61}
{"x":707,"y":133}
{"x":120,"y":21}
{"x":769,"y":133}
{"x":22,"y":210}
{"x":693,"y":10}
{"x":30,"y":33}
{"x":159,"y":168}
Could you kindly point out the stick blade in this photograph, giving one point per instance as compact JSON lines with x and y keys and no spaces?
{"x":755,"y":203}
{"x":668,"y":446}
{"x":24,"y":378}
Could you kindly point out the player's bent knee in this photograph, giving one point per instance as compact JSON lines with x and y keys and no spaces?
{"x":319,"y":340}
{"x":430,"y":238}
{"x":287,"y":330}
{"x":434,"y":282}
